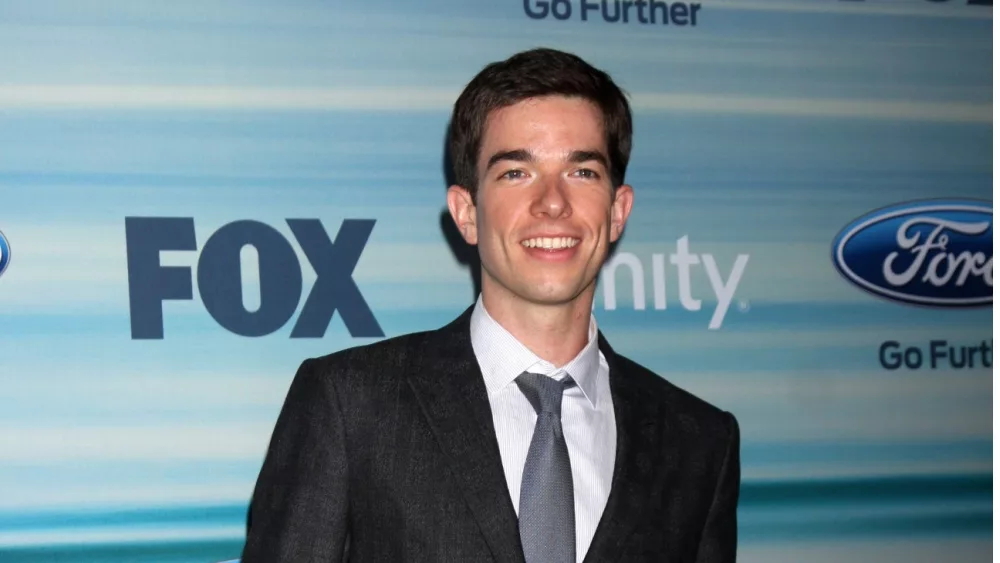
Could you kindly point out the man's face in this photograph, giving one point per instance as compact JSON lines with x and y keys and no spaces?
{"x":546,"y":211}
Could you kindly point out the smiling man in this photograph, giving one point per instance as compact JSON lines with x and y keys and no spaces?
{"x":514,"y":433}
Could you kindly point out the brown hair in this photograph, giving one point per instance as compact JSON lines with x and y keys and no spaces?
{"x":532,"y":74}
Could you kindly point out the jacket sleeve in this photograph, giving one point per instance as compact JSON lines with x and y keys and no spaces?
{"x":718,"y":538}
{"x":299,"y":509}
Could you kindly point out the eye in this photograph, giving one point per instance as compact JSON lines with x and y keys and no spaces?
{"x":587,"y":173}
{"x":513,"y":175}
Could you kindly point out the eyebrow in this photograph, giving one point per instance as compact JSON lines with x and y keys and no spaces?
{"x":523,"y":155}
{"x":519,"y":155}
{"x":586,"y":156}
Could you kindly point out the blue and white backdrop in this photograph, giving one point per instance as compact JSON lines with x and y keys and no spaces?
{"x":811,"y":248}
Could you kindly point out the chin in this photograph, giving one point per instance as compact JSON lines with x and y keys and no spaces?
{"x":552,"y":295}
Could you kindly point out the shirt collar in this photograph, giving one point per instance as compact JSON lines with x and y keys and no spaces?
{"x":502,"y":357}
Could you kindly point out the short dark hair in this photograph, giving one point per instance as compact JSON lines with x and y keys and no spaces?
{"x":531,"y":74}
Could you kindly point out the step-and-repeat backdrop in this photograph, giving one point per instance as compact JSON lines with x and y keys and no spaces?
{"x":811,"y":248}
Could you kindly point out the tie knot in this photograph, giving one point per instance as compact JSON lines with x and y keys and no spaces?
{"x":543,"y":392}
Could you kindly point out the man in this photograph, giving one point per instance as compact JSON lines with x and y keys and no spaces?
{"x":515,"y":433}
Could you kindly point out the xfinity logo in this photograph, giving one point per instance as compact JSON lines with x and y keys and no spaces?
{"x":684,"y":262}
{"x":219,"y":281}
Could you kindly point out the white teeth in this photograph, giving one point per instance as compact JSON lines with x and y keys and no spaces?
{"x":550,"y":242}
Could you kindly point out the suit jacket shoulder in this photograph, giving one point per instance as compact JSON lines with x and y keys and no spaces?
{"x":385,"y":357}
{"x":676,"y":484}
{"x":385,"y":452}
{"x":694,"y":414}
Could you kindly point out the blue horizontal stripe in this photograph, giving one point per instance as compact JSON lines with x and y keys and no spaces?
{"x":760,"y":318}
{"x":181,"y":551}
{"x":754,"y":495}
{"x":758,"y":450}
{"x":936,"y":506}
{"x":879,"y":491}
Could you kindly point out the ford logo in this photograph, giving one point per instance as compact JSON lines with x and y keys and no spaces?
{"x":930,"y":252}
{"x":4,"y":253}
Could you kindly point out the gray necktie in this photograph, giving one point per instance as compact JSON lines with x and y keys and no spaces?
{"x":545,"y":515}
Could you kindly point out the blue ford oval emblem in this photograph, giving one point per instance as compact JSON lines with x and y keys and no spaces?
{"x":4,"y":253}
{"x":930,"y":252}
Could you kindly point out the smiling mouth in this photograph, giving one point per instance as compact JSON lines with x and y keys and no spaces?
{"x":553,"y":243}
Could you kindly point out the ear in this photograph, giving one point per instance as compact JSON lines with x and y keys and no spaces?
{"x":463,"y":212}
{"x":621,"y":207}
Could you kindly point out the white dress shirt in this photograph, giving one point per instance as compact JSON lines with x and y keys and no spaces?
{"x":588,"y":418}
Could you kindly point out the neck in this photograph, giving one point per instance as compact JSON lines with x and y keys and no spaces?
{"x":554,"y":333}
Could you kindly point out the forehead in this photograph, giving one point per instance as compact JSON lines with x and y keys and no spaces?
{"x":549,"y":122}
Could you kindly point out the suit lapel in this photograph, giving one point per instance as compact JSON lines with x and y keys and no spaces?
{"x":646,"y":449}
{"x":449,"y":386}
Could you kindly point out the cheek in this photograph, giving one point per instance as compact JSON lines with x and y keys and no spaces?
{"x":493,"y":220}
{"x":597,"y":210}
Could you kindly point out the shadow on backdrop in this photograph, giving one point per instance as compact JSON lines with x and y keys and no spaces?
{"x":466,"y":254}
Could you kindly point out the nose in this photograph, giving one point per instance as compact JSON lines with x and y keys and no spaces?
{"x":552,"y":200}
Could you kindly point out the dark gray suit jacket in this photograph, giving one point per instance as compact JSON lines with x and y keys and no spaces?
{"x":387,"y":453}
